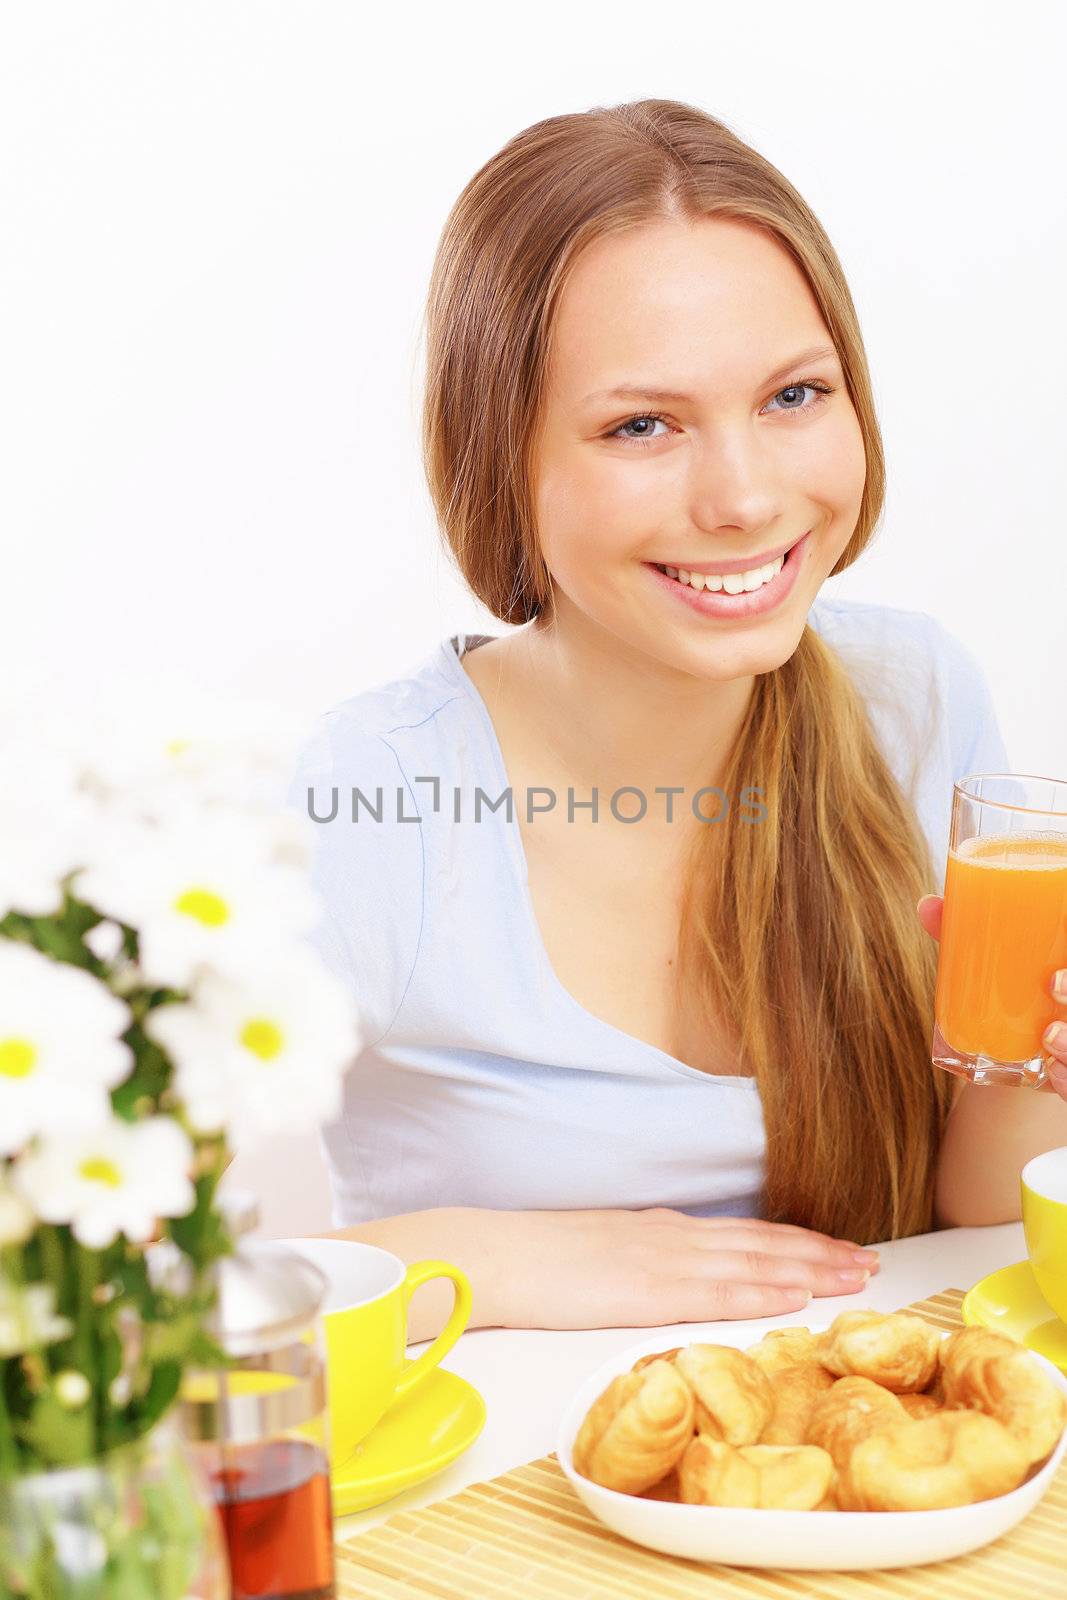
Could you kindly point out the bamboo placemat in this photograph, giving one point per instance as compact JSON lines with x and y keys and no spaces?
{"x":527,"y":1535}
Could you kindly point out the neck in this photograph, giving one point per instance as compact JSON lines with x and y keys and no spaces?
{"x":616,"y":716}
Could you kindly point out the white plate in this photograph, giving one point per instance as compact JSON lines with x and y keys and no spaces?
{"x":842,"y":1540}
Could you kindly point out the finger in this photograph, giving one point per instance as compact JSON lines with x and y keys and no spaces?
{"x":724,"y":1300}
{"x":785,"y":1231}
{"x":787,"y":1242}
{"x":786,"y":1272}
{"x":930,"y":908}
{"x":1055,"y":1039}
{"x":1056,"y":1079}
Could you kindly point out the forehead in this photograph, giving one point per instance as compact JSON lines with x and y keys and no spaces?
{"x":682,"y":303}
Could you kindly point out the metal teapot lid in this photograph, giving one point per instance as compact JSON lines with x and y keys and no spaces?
{"x":266,"y":1293}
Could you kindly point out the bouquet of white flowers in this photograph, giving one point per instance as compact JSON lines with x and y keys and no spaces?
{"x":159,"y":1006}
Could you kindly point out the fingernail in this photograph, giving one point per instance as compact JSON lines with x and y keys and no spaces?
{"x":865,"y":1256}
{"x":1059,"y":985}
{"x":1054,"y":1034}
{"x":855,"y":1275}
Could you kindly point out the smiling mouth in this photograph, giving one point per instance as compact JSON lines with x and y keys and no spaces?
{"x":747,"y":582}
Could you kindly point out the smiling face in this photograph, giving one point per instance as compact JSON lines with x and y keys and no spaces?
{"x":753,"y":450}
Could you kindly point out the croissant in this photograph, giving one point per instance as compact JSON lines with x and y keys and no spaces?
{"x":734,"y":1397}
{"x":850,"y":1412}
{"x":636,"y":1431}
{"x":983,"y":1371}
{"x":965,"y":1342}
{"x":768,"y":1477}
{"x":657,"y":1355}
{"x":713,"y":1473}
{"x":791,"y":1479}
{"x":897,"y":1350}
{"x":921,"y":1405}
{"x":666,"y":1489}
{"x":797,"y":1391}
{"x":783,"y":1348}
{"x":951,"y":1459}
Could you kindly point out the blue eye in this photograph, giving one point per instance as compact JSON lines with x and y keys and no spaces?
{"x":643,"y":438}
{"x":819,"y":390}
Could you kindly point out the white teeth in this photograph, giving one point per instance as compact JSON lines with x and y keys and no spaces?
{"x":732,"y":582}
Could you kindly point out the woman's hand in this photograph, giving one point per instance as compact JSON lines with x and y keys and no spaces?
{"x":637,"y":1269}
{"x":1055,"y":1042}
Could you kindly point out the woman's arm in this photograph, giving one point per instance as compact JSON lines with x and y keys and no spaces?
{"x":614,"y":1268}
{"x":449,"y":1233}
{"x":992,"y":1133}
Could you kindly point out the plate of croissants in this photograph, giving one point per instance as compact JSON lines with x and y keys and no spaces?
{"x":877,"y":1440}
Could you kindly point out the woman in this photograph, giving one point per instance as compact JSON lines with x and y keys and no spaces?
{"x":653,"y":1063}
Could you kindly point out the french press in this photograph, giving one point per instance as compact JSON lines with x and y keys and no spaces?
{"x":259,"y":1426}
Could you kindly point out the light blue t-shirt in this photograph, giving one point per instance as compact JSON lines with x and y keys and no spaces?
{"x":482,"y":1081}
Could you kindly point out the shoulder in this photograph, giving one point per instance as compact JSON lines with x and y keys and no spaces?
{"x":368,"y":861}
{"x":353,"y":739}
{"x":896,"y":636}
{"x":891,"y":654}
{"x":859,"y":626}
{"x":918,"y":677}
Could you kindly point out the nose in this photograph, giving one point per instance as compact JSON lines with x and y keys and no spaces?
{"x":733,"y":484}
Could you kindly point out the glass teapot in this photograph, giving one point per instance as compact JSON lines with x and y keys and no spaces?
{"x":259,"y":1427}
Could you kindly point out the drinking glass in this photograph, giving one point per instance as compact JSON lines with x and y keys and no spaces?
{"x":1003,"y":927}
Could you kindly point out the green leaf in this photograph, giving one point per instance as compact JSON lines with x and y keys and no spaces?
{"x":172,"y":1341}
{"x":162,"y":1390}
{"x":57,"y":1436}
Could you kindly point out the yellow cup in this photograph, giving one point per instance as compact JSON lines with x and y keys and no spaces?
{"x":365,"y":1314}
{"x":1044,"y":1195}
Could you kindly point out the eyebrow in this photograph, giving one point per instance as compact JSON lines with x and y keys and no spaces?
{"x":645,"y":391}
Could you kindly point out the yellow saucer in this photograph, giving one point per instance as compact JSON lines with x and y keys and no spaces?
{"x":1011,"y":1302}
{"x":416,"y":1438}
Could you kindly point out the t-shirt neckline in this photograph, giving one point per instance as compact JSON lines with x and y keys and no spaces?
{"x":518,"y":858}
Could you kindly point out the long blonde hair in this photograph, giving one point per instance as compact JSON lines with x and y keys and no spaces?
{"x":802,"y":931}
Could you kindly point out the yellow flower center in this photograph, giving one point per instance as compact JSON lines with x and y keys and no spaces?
{"x":204,"y":905}
{"x":17,"y":1058}
{"x":174,"y":747}
{"x":97,"y":1169}
{"x":263,"y":1037}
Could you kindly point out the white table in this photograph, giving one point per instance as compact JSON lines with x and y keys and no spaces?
{"x":527,"y":1376}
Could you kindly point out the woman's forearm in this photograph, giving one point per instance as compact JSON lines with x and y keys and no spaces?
{"x":457,"y":1234}
{"x":992,"y":1133}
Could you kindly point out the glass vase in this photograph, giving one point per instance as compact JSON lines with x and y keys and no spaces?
{"x":135,"y":1524}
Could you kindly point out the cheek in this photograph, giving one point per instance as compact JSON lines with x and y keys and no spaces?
{"x":832,"y":466}
{"x":587,"y":510}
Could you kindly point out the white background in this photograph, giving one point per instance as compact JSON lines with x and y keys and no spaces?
{"x":218,"y":221}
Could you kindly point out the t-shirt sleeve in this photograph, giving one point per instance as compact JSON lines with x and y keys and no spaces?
{"x":368,"y":873}
{"x":976,"y":743}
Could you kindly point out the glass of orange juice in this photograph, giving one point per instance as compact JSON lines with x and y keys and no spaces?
{"x":1003,"y":927}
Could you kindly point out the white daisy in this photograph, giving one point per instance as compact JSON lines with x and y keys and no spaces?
{"x":47,"y":825}
{"x":119,"y":1178}
{"x":204,"y":891}
{"x":17,"y":1221}
{"x":28,"y":1317}
{"x":165,"y":739}
{"x":105,"y":941}
{"x":60,"y":1045}
{"x":263,"y":1054}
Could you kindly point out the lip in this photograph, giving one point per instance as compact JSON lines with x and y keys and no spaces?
{"x":736,"y":606}
{"x":743,"y":564}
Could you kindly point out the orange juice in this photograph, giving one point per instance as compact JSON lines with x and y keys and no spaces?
{"x":1003,"y":935}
